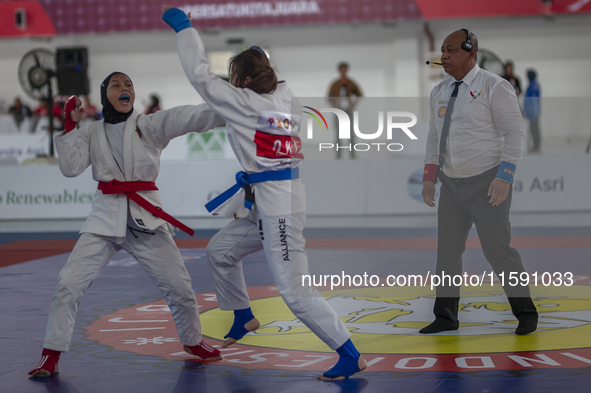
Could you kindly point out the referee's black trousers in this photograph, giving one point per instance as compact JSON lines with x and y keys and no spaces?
{"x":464,"y":202}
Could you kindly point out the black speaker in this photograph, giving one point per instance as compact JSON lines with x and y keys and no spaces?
{"x":20,"y":18}
{"x":72,"y":76}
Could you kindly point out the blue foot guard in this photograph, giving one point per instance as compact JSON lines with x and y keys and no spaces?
{"x":241,"y":317}
{"x":348,"y":362}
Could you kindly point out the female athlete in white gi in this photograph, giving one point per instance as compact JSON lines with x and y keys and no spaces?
{"x":263,"y":133}
{"x":124,"y":151}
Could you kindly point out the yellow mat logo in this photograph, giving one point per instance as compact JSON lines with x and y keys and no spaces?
{"x":384,"y":323}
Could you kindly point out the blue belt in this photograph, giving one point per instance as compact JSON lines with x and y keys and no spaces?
{"x":244,"y":180}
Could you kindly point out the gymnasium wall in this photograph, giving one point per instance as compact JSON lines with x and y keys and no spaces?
{"x":372,"y":190}
{"x":386,"y":59}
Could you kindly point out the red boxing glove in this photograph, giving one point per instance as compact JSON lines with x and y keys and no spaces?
{"x":69,"y":124}
{"x":430,"y":172}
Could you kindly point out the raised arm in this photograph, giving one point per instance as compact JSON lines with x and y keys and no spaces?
{"x":73,"y":145}
{"x":160,"y":127}
{"x":230,"y":102}
{"x":73,"y":149}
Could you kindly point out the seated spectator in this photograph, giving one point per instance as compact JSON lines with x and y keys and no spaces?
{"x":90,"y":113}
{"x":154,"y":105}
{"x":41,"y":112}
{"x":89,"y":109}
{"x":19,"y":112}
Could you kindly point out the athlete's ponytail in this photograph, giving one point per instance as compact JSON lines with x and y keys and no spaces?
{"x":253,"y":63}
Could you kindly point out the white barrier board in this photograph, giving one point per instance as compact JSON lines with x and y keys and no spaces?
{"x":548,"y":183}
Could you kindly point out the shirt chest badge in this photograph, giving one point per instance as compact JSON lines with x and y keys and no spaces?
{"x":441,"y":112}
{"x":475,"y":94}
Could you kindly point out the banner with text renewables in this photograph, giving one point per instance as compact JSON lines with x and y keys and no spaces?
{"x":382,"y":187}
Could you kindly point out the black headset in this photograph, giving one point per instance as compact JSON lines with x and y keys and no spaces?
{"x":467,"y":44}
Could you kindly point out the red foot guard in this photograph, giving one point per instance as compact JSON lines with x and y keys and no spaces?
{"x":47,"y":365}
{"x":203,"y":350}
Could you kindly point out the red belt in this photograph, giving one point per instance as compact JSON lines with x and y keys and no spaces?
{"x":129,"y":188}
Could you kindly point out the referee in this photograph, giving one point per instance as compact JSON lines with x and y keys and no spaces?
{"x":473,"y":147}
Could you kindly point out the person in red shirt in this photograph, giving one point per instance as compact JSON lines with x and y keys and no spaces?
{"x":154,"y":105}
{"x":90,"y":112}
{"x":41,"y":109}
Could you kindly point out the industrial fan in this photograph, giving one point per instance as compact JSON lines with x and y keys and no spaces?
{"x":36,"y":72}
{"x":36,"y":75}
{"x":491,"y":62}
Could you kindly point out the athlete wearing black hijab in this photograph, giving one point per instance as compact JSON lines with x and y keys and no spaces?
{"x":110,"y":114}
{"x":126,"y":211}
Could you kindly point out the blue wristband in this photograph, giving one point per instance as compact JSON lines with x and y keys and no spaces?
{"x":506,"y":171}
{"x":176,"y":19}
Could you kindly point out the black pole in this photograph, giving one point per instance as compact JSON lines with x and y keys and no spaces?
{"x":50,"y":115}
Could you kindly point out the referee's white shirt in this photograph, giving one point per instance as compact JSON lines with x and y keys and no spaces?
{"x":486,"y":124}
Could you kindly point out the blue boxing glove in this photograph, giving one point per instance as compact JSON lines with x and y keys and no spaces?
{"x":176,"y":19}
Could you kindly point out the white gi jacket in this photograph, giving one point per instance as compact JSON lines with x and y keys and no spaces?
{"x":261,"y":128}
{"x":141,"y":161}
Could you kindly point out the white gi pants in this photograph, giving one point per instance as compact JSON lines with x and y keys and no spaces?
{"x":281,"y":238}
{"x":160,"y":258}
